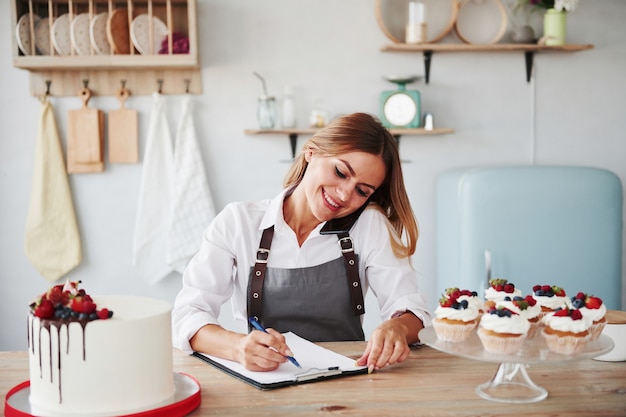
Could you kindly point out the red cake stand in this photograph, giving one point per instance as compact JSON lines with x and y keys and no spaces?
{"x":186,"y":399}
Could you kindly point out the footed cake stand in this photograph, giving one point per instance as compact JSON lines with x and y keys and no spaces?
{"x":511,"y":383}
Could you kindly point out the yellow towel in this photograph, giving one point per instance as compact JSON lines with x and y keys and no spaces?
{"x":52,"y":241}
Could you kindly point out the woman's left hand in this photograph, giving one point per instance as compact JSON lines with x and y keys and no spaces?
{"x":389,"y":342}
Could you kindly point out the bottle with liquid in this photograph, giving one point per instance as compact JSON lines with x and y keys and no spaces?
{"x":288,"y":113}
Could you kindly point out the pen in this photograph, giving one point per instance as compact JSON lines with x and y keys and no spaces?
{"x":258,"y":326}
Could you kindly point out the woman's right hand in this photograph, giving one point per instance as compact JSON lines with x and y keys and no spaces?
{"x":259,"y":351}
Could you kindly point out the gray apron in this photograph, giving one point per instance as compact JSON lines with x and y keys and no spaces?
{"x":319,"y":303}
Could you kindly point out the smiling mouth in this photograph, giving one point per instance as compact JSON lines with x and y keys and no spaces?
{"x":330,"y":201}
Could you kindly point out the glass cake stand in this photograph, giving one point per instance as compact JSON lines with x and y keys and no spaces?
{"x":511,"y":383}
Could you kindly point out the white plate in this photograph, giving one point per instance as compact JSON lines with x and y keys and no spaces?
{"x":98,"y":34}
{"x":22,"y":33}
{"x":481,"y":22}
{"x":140,"y":33}
{"x":42,"y":37}
{"x":79,"y":34}
{"x":61,"y":37}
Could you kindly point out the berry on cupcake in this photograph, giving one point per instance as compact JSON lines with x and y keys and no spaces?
{"x":502,"y":331}
{"x":500,"y":288}
{"x":454,"y":318}
{"x":550,"y":298}
{"x":526,"y":307}
{"x":592,"y":308}
{"x":566,"y":331}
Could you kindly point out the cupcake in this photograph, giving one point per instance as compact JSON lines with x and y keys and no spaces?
{"x":526,"y":307}
{"x":500,"y":288}
{"x":502,"y":331}
{"x":473,"y":300}
{"x":566,"y":331}
{"x":550,"y":298}
{"x":454,"y":320}
{"x":592,"y":308}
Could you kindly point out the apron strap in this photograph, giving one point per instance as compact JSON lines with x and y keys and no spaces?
{"x":352,"y":273}
{"x":255,"y":297}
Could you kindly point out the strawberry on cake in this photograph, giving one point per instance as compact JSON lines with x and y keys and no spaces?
{"x":566,"y":331}
{"x":592,"y":308}
{"x":500,"y":288}
{"x":454,"y":318}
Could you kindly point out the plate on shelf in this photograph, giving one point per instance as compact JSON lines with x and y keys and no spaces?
{"x":80,"y":34}
{"x":391,"y":16}
{"x":42,"y":37}
{"x":61,"y":37}
{"x":482,"y":22}
{"x":118,"y":32}
{"x":98,"y":34}
{"x":140,"y":34}
{"x":22,"y":33}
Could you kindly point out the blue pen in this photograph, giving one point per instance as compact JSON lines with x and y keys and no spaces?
{"x":258,"y":326}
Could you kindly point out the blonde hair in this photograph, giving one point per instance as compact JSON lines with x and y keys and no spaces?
{"x":361,"y":132}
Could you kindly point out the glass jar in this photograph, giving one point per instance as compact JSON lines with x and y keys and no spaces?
{"x":266,"y":112}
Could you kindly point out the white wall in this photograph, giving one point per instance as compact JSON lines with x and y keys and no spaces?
{"x":572,"y":113}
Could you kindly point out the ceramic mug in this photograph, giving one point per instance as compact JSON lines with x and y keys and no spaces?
{"x":616,"y":329}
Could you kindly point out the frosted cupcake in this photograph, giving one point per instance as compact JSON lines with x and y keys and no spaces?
{"x":500,"y":288}
{"x":566,"y":331}
{"x":550,"y":298}
{"x":502,"y":331}
{"x":526,"y":307}
{"x":592,"y":308}
{"x":454,"y":320}
{"x":473,"y":300}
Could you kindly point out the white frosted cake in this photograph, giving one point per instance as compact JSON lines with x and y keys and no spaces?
{"x":92,"y":366}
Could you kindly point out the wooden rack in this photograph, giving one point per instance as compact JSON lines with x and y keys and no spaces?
{"x":63,"y":75}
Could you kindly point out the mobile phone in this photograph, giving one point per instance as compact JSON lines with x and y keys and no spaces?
{"x":343,"y":224}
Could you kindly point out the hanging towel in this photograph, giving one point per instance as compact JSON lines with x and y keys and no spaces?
{"x":154,"y":210}
{"x":52,"y":241}
{"x":193,"y":206}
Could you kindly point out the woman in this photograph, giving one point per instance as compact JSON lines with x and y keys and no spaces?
{"x":290,"y":261}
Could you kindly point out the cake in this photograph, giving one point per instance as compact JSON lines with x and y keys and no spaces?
{"x":97,"y":356}
{"x":500,"y":288}
{"x":502,"y":331}
{"x":566,"y":331}
{"x":526,"y":307}
{"x":592,"y":308}
{"x":454,"y":319}
{"x":550,"y":298}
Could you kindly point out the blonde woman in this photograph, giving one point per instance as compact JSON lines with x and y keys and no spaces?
{"x":304,"y":260}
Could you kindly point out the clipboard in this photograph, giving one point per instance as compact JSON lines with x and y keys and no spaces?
{"x":318,"y":364}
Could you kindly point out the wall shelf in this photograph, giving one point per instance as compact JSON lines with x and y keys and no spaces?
{"x":62,"y":72}
{"x":529,"y":51}
{"x":294,"y":133}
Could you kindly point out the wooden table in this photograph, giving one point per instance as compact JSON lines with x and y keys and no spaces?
{"x":429,"y":382}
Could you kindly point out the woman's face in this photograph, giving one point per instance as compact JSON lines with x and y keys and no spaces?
{"x":336,"y":186}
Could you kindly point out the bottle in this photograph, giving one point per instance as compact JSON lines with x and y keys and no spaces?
{"x":416,"y":23}
{"x":319,"y":115}
{"x":288,"y":115}
{"x":266,"y":112}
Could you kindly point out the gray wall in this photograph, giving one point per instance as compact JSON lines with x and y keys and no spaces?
{"x":572,"y":113}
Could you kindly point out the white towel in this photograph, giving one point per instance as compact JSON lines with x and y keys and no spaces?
{"x":154,"y":211}
{"x":52,"y":241}
{"x":193,"y":206}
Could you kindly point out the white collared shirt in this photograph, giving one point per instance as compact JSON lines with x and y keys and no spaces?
{"x":220,"y":270}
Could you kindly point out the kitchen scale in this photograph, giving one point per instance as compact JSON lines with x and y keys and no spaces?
{"x":401,"y":108}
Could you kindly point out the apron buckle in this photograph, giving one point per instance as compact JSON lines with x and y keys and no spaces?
{"x":345,"y":244}
{"x":262,"y":255}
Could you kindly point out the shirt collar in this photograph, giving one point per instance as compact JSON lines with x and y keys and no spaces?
{"x":274,"y":215}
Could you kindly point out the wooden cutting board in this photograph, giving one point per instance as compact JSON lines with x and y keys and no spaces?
{"x":118,"y":31}
{"x":123,"y":132}
{"x":85,"y":137}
